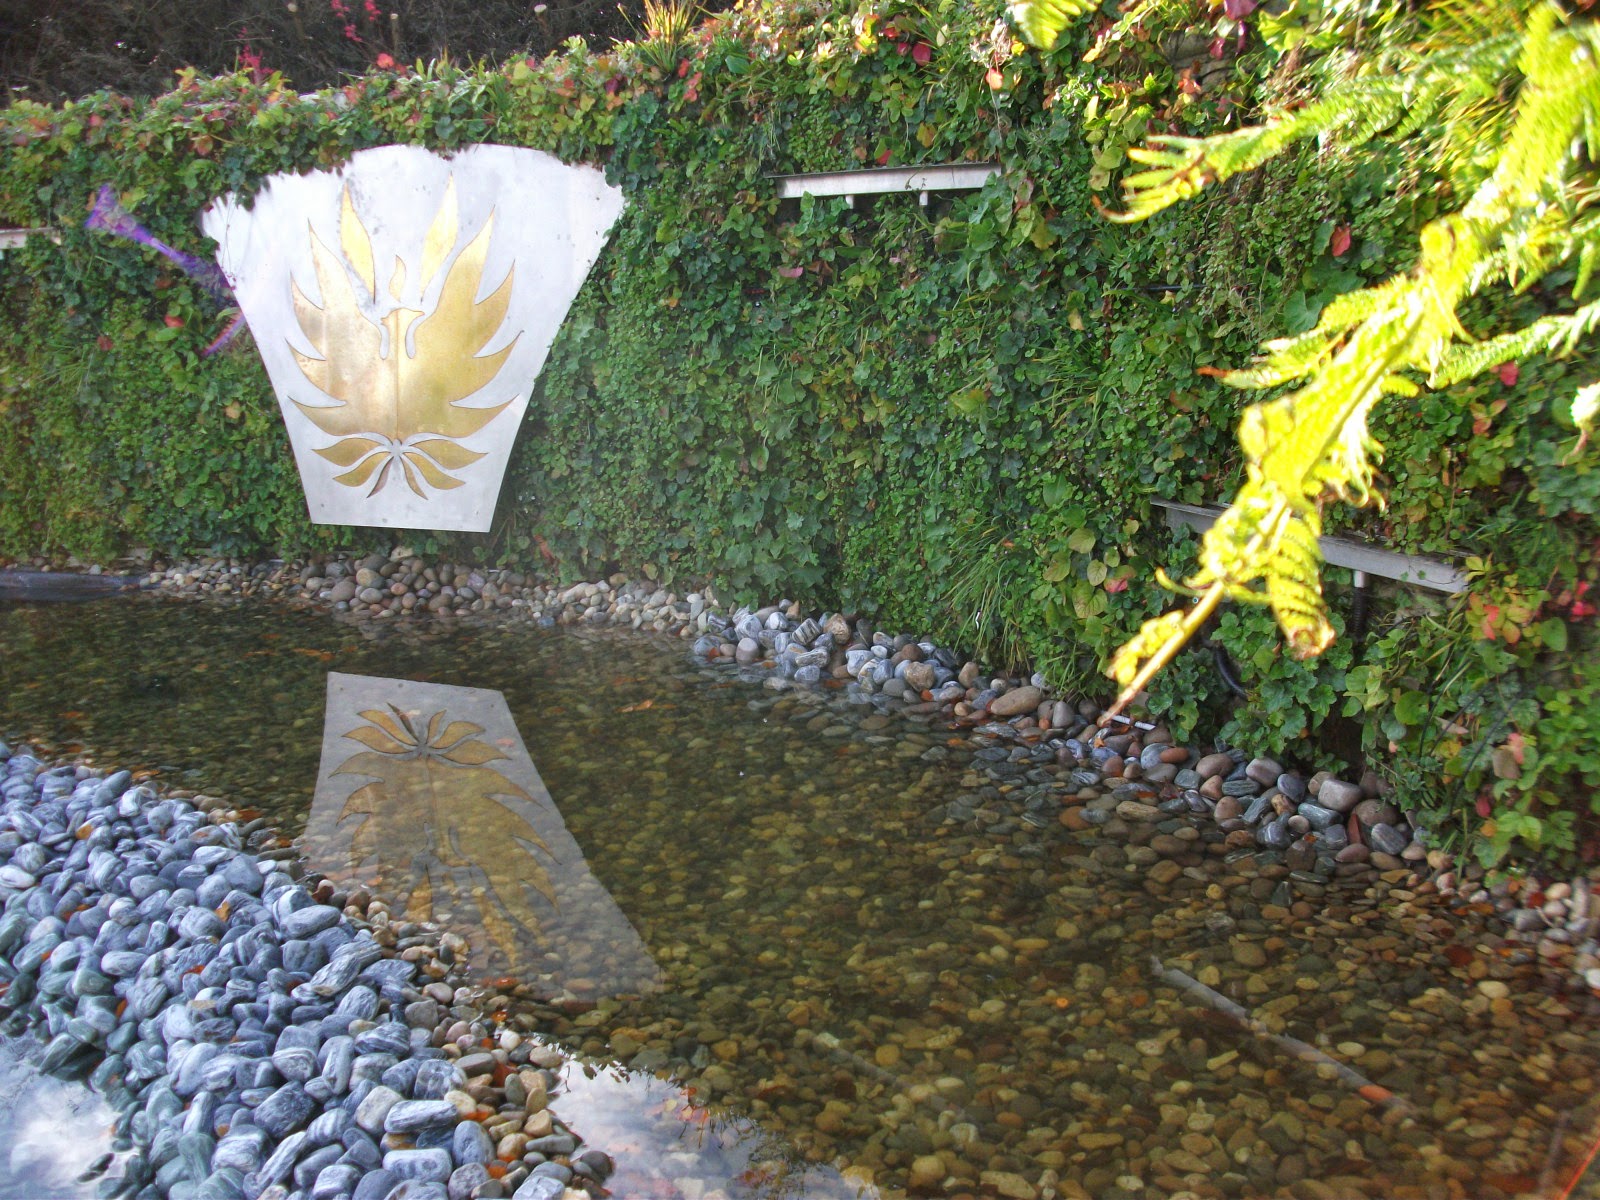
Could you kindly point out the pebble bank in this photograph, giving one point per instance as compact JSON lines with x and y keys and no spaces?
{"x":256,"y":1037}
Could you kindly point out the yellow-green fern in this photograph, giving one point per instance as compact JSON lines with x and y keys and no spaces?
{"x":1526,"y":214}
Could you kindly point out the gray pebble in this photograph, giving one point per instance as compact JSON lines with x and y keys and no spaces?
{"x":286,"y":1109}
{"x":539,"y":1187}
{"x":430,"y":1166}
{"x":412,"y":1116}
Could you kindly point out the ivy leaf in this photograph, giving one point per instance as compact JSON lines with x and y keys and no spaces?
{"x":1411,"y":709}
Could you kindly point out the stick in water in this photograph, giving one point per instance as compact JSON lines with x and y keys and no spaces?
{"x":1372,"y":1093}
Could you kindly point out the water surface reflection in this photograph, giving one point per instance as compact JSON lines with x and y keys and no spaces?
{"x":55,"y":1134}
{"x":426,"y":796}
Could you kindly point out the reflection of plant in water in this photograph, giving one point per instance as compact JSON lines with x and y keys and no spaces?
{"x":435,"y":814}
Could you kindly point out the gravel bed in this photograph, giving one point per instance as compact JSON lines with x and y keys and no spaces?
{"x":254,"y":1034}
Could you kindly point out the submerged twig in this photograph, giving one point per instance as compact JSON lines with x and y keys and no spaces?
{"x":1373,"y":1093}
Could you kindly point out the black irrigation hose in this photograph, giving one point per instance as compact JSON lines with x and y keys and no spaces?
{"x":1359,"y":612}
{"x":1228,"y":670}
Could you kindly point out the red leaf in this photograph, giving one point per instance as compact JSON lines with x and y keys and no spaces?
{"x":1217,"y":48}
{"x":1340,"y":241}
{"x":1508,"y":372}
{"x":791,"y":272}
{"x":173,"y":322}
{"x":683,"y":68}
{"x":1483,"y":807}
{"x":883,"y":159}
{"x":922,"y":54}
{"x":1236,"y":9}
{"x":1116,"y":585}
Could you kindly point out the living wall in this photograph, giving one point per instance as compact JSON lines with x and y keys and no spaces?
{"x":955,"y":417}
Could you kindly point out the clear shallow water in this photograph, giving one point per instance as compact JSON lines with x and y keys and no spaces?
{"x":55,"y":1135}
{"x":847,"y":992}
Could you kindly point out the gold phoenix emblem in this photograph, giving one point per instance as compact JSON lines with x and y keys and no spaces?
{"x":433,"y":814}
{"x":396,"y":371}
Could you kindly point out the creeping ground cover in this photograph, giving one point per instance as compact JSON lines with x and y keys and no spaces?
{"x":958,"y":416}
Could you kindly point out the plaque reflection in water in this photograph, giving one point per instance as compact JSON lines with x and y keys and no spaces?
{"x":427,"y":797}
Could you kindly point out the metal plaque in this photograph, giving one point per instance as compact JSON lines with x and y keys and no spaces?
{"x":404,"y":305}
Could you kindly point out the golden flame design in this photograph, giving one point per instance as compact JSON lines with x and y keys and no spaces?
{"x":434,"y":815}
{"x":398,"y":375}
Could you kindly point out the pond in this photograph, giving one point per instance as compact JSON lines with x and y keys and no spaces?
{"x":791,"y":971}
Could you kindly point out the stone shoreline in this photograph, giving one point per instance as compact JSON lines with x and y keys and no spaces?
{"x":259,"y":1039}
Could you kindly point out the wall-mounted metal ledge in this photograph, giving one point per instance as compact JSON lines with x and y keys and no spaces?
{"x":940,"y":177}
{"x":1411,"y":569}
{"x":11,"y":239}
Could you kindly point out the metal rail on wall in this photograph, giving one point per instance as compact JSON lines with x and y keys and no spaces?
{"x":872,"y":181}
{"x":15,"y":239}
{"x":1366,"y":561}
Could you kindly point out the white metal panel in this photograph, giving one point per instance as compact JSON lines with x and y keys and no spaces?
{"x":547,"y":223}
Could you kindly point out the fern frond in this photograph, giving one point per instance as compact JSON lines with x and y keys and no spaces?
{"x":1557,"y":336}
{"x":1588,"y":254}
{"x":1527,"y":215}
{"x":1289,"y":359}
{"x":1294,"y":588}
{"x":1356,"y":110}
{"x":1042,"y":22}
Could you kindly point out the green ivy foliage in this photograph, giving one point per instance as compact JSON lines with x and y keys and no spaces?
{"x":956,"y":418}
